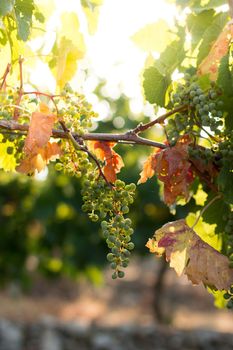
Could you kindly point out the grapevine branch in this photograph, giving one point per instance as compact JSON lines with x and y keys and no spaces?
{"x":129,"y":137}
{"x":142,"y":127}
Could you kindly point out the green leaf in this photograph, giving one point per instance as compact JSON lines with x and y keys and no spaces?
{"x":155,"y":86}
{"x":211,"y":34}
{"x":225,"y":182}
{"x":23,"y":11}
{"x":197,"y":24}
{"x":225,"y":81}
{"x":200,"y":5}
{"x":145,"y":38}
{"x":6,"y":6}
{"x":221,"y":208}
{"x":172,"y":57}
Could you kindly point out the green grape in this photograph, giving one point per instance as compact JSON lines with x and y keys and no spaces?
{"x":10,"y":150}
{"x":121,"y":274}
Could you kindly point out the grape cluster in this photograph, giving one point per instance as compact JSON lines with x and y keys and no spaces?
{"x":103,"y":202}
{"x":75,"y":111}
{"x":206,"y":155}
{"x":117,"y":233}
{"x":77,"y":115}
{"x":203,"y":109}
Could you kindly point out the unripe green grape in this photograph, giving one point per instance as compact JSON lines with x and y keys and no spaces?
{"x":120,"y":274}
{"x":125,"y":209}
{"x":110,"y":257}
{"x":94,"y":217}
{"x":59,"y":166}
{"x":113,"y":265}
{"x":130,"y":246}
{"x":196,"y":100}
{"x":115,"y":251}
{"x":114,"y":275}
{"x":10,"y":150}
{"x":230,"y":304}
{"x":226,"y":296}
{"x":124,"y":264}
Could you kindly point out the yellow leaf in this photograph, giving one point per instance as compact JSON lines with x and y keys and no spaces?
{"x":7,"y":161}
{"x":66,"y":67}
{"x":70,"y":27}
{"x":204,"y":230}
{"x":92,"y":19}
{"x":153,"y":37}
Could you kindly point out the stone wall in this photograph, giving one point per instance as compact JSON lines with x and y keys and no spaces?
{"x":50,"y":334}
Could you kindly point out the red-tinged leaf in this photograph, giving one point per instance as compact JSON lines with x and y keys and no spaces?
{"x":148,"y":168}
{"x":113,"y":161}
{"x":37,"y":162}
{"x":113,"y":166}
{"x":40,"y":130}
{"x":190,"y":255}
{"x":219,"y":49}
{"x":172,"y":167}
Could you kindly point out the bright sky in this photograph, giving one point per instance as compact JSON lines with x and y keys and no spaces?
{"x":111,"y":54}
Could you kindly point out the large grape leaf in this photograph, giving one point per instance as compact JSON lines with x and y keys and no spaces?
{"x":174,"y":54}
{"x":198,"y":23}
{"x":190,"y":255}
{"x":173,"y":168}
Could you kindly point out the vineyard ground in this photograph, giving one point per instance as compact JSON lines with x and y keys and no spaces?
{"x":118,"y":303}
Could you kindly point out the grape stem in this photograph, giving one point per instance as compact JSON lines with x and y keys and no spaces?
{"x":79,"y":145}
{"x":7,"y":71}
{"x":205,"y":208}
{"x":20,"y":94}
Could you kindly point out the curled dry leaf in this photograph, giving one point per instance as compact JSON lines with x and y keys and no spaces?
{"x":38,"y":150}
{"x":219,"y":49}
{"x":113,"y":161}
{"x":190,"y":255}
{"x":172,"y":167}
{"x":39,"y":160}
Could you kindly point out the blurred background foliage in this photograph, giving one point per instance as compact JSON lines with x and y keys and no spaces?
{"x":43,"y":229}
